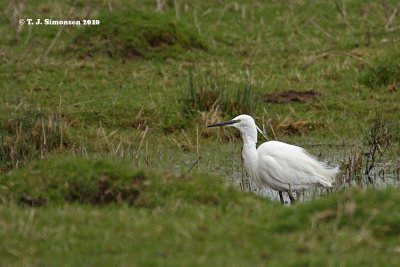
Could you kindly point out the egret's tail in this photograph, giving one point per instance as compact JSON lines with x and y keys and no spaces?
{"x":327,"y":178}
{"x":324,"y":173}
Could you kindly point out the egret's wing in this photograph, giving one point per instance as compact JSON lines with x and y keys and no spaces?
{"x":292,"y":165}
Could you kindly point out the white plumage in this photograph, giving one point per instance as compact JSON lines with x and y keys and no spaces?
{"x":280,"y":166}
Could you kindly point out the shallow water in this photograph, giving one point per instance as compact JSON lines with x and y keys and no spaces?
{"x":224,"y":159}
{"x":384,"y":174}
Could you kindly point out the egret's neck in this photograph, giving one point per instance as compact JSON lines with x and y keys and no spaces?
{"x":249,"y":136}
{"x":249,"y":140}
{"x":249,"y":153}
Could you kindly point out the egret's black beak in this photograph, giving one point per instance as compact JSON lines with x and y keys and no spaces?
{"x":225,"y":123}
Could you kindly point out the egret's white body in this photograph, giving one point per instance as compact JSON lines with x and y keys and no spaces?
{"x":280,"y":166}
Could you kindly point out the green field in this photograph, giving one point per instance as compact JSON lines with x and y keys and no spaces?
{"x":106,"y":160}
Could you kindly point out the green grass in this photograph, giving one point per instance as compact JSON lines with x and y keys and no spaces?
{"x":269,"y":47}
{"x":385,"y":72}
{"x":134,"y":35}
{"x":196,"y":220}
{"x":100,"y":124}
{"x":99,"y":182}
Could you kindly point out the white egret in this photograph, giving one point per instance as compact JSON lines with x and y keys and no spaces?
{"x":282,"y":167}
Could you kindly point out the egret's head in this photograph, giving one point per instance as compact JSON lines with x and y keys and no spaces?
{"x":244,"y":123}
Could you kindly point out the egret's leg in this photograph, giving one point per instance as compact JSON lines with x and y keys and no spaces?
{"x":292,"y":199}
{"x":281,"y":197}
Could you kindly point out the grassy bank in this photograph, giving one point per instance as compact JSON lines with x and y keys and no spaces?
{"x":197,"y":220}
